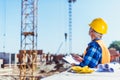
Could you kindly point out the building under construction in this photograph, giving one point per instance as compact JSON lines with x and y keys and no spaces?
{"x":29,"y":57}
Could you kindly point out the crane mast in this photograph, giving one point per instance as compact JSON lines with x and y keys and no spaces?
{"x":28,"y":44}
{"x":70,"y":23}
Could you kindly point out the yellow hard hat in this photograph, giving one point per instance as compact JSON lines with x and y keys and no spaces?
{"x":99,"y":25}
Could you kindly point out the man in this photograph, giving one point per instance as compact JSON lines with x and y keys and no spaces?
{"x":96,"y":52}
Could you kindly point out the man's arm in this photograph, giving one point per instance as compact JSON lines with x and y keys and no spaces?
{"x":92,"y":57}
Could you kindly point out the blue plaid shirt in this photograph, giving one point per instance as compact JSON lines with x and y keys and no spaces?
{"x":93,"y":55}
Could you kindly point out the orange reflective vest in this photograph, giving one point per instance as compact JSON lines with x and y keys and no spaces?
{"x":105,"y":52}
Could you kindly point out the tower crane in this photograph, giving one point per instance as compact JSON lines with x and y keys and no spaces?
{"x":28,"y":44}
{"x":70,"y":23}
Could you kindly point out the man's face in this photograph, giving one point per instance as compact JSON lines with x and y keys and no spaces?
{"x":91,"y":31}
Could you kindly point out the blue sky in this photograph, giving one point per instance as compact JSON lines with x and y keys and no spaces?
{"x":53,"y":23}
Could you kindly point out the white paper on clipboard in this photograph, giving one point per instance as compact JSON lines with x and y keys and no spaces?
{"x":70,"y":59}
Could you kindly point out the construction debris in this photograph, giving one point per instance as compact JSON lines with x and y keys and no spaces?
{"x":47,"y":66}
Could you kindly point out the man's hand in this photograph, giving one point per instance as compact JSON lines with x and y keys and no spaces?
{"x":73,"y":64}
{"x":77,"y":57}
